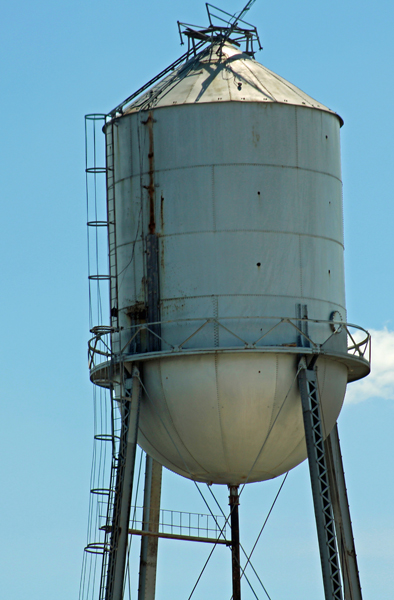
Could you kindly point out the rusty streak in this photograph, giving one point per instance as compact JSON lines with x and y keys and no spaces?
{"x":151,"y":186}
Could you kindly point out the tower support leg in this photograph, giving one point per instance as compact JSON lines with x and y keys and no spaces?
{"x":326,"y":534}
{"x":151,"y":520}
{"x":123,"y":490}
{"x":235,"y":554}
{"x":343,"y":523}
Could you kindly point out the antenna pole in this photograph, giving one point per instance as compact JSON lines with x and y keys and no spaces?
{"x":237,"y":19}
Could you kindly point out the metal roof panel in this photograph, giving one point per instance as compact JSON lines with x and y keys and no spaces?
{"x":232,"y":77}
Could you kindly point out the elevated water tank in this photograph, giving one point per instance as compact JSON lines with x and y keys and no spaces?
{"x":235,"y":175}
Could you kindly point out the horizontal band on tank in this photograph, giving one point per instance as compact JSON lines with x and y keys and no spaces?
{"x":331,"y":338}
{"x":237,"y":164}
{"x":217,"y":230}
{"x":182,"y":298}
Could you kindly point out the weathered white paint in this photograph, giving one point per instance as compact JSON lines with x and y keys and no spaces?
{"x":247,"y":200}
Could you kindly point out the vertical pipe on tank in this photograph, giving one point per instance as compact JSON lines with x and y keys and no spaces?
{"x":235,"y":556}
{"x":153,"y":473}
{"x":153,"y":292}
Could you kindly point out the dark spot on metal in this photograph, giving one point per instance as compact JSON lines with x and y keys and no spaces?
{"x":239,"y":86}
{"x":259,"y":264}
{"x":258,"y":193}
{"x":162,"y":262}
{"x":162,"y":211}
{"x":329,"y":272}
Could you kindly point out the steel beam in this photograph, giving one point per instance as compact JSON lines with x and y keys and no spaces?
{"x":343,"y":523}
{"x":123,"y":491}
{"x":184,"y":538}
{"x":151,"y":520}
{"x":235,"y":554}
{"x":326,"y":534}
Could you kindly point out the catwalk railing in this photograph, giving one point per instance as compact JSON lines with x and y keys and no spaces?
{"x":314,"y":336}
{"x":181,"y":525}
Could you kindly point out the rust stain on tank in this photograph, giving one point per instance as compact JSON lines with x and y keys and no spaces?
{"x":162,"y":262}
{"x":151,"y":187}
{"x":137,"y":312}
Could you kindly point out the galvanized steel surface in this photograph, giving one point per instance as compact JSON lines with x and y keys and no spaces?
{"x":237,"y":174}
{"x":223,"y":74}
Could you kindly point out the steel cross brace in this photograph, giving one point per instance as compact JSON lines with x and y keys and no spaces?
{"x":325,"y":524}
{"x":343,"y":523}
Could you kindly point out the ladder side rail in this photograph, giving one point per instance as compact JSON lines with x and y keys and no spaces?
{"x":111,"y":218}
{"x":94,"y":170}
{"x":109,"y":515}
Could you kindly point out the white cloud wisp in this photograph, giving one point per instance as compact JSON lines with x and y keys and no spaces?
{"x":380,"y":382}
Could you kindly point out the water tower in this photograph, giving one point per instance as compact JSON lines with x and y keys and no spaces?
{"x":228,"y":352}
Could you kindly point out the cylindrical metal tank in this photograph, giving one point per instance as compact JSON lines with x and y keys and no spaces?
{"x":236,"y":175}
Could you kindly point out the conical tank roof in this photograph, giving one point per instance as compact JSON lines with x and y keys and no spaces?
{"x":223,"y":75}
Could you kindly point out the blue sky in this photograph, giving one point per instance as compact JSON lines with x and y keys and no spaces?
{"x":63,"y":60}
